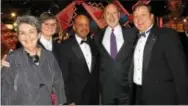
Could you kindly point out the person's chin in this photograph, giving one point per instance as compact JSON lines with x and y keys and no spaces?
{"x":32,"y":44}
{"x":140,"y":28}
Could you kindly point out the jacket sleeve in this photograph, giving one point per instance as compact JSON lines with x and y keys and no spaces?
{"x":177,"y":63}
{"x":65,"y":68}
{"x":8,"y":89}
{"x":58,"y":84}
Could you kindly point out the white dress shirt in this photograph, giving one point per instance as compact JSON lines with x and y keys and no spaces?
{"x":138,"y":57}
{"x":119,"y":38}
{"x":46,"y":43}
{"x":86,"y":51}
{"x":186,"y":33}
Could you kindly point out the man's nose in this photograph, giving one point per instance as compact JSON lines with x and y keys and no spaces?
{"x":112,"y":16}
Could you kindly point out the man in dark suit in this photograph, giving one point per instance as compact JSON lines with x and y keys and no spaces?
{"x":159,"y":72}
{"x":115,"y":46}
{"x":78,"y":62}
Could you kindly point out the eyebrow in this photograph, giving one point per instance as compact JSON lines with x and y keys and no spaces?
{"x":29,"y":30}
{"x":50,"y":22}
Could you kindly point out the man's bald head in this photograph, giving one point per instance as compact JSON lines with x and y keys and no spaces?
{"x":81,"y":17}
{"x":109,"y":6}
{"x":81,"y":26}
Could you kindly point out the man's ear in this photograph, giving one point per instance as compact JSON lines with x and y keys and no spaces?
{"x":73,"y":27}
{"x":152,"y":16}
{"x":119,"y":14}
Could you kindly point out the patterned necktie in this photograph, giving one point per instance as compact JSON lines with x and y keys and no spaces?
{"x":113,"y":45}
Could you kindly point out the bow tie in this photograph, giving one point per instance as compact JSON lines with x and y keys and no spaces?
{"x":142,"y":34}
{"x":84,"y":41}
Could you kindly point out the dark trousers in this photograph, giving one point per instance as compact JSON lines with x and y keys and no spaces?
{"x":137,"y":95}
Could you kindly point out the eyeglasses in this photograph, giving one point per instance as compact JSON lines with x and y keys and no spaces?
{"x":24,"y":35}
{"x":49,"y":24}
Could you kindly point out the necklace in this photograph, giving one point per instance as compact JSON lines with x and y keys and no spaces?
{"x":34,"y":58}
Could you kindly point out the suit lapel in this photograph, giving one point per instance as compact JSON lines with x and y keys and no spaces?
{"x":148,"y":48}
{"x":78,"y":52}
{"x":40,"y":44}
{"x":92,"y":54}
{"x":103,"y":49}
{"x":127,"y":45}
{"x":53,"y":45}
{"x":119,"y":54}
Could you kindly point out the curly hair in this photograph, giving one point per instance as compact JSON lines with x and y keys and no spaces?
{"x":28,"y":19}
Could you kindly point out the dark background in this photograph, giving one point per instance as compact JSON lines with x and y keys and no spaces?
{"x":36,"y":7}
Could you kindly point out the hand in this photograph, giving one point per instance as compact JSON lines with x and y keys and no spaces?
{"x":4,"y":62}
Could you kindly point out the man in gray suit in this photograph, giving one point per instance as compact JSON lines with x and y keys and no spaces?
{"x":115,"y":46}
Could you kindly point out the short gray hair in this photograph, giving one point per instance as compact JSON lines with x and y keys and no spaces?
{"x":28,"y":19}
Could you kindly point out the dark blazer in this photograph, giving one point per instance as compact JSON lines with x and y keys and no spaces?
{"x":25,"y":83}
{"x":81,"y":86}
{"x":164,"y":69}
{"x":184,"y":40}
{"x":114,"y":73}
{"x":55,"y":49}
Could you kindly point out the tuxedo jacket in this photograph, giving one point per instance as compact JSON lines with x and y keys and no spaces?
{"x":184,"y":40}
{"x":164,"y":76}
{"x":81,"y":85}
{"x":114,"y":72}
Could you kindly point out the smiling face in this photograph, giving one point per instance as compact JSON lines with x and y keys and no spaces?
{"x":81,"y":26}
{"x":27,"y":35}
{"x":48,"y":27}
{"x":142,"y":18}
{"x":111,"y":15}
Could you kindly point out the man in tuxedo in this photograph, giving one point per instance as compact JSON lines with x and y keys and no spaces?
{"x":159,"y":70}
{"x":115,"y":46}
{"x":78,"y":62}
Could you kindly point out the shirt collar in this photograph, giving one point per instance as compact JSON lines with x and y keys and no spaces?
{"x":78,"y":39}
{"x":148,"y":30}
{"x":115,"y":28}
{"x":43,"y":40}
